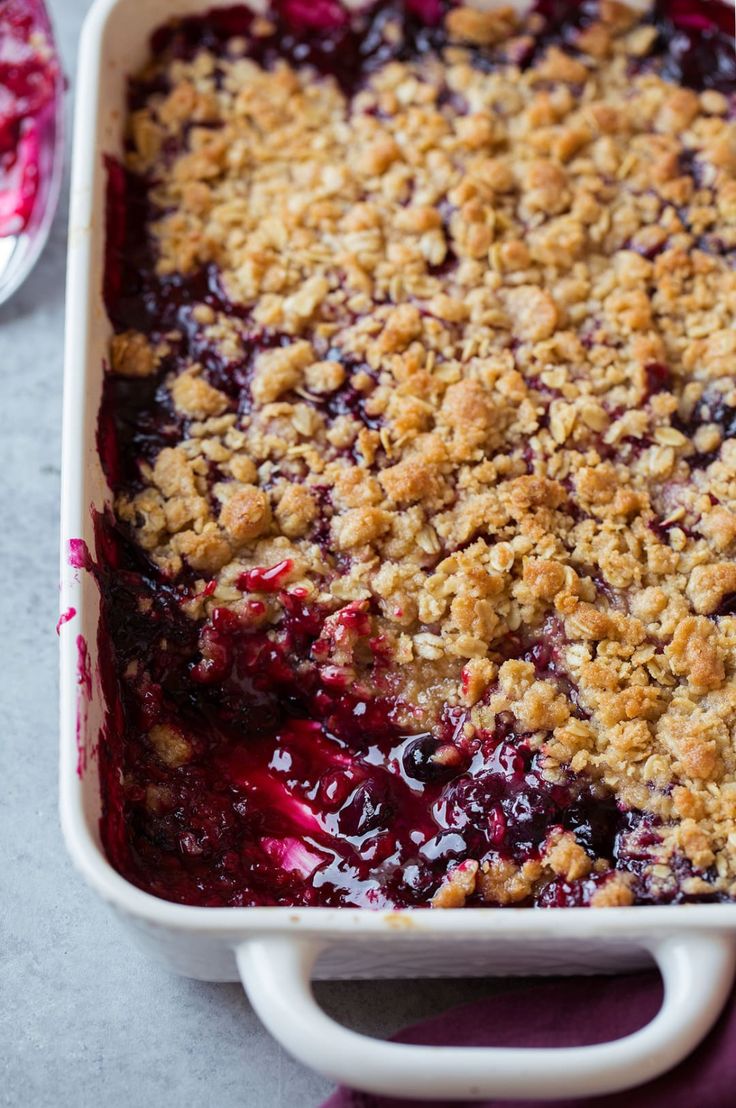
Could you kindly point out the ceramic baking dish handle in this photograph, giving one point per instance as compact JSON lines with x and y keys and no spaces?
{"x":697,"y":971}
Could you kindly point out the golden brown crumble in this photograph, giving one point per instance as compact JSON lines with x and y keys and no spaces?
{"x":173,"y":748}
{"x":131,"y":355}
{"x":492,"y":273}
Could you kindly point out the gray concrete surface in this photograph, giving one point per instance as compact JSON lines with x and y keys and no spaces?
{"x":85,"y":1019}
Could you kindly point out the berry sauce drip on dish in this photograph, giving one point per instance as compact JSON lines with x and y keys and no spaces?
{"x":29,"y":77}
{"x":418,"y":585}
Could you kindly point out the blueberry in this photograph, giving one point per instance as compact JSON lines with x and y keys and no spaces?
{"x":419,"y":762}
{"x":369,"y":808}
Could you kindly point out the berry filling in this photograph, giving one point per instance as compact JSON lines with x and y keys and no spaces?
{"x":29,"y":81}
{"x":696,"y":43}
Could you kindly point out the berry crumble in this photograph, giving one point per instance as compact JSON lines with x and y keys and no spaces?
{"x":420,"y":420}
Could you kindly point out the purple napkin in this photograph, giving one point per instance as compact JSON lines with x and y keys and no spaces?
{"x":577,"y":1011}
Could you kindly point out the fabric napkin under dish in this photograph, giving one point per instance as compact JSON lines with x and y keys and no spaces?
{"x":575,"y":1012}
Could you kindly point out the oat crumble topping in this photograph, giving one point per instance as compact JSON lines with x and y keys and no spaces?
{"x":456,"y":368}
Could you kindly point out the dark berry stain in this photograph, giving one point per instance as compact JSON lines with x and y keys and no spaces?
{"x":658,"y":378}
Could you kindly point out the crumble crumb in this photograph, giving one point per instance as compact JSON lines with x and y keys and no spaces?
{"x":173,"y":748}
{"x":131,"y":355}
{"x":615,"y":892}
{"x":246,"y":514}
{"x":457,"y":886}
{"x":194,"y":397}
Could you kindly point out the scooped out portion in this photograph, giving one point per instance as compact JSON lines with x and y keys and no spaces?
{"x":29,"y":86}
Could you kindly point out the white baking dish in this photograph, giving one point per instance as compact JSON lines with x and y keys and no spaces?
{"x":276,"y":951}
